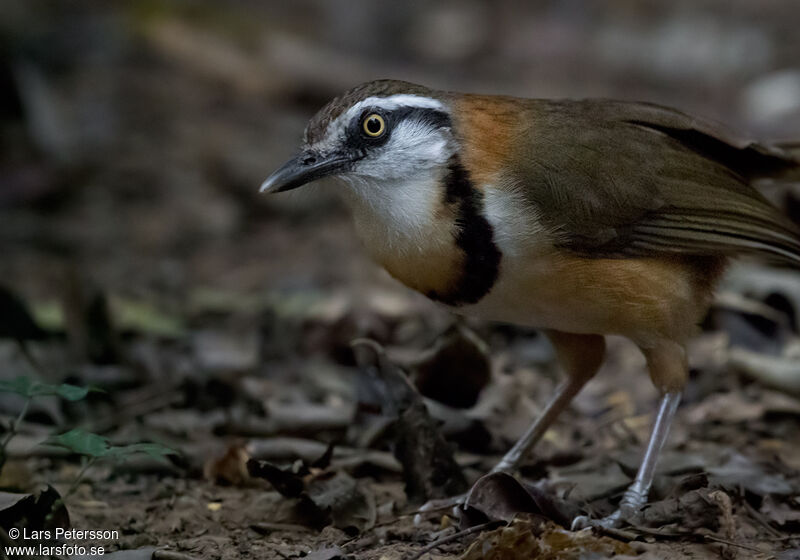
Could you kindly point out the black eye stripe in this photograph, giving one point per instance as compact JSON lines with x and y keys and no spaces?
{"x":357,"y":140}
{"x":433,"y":117}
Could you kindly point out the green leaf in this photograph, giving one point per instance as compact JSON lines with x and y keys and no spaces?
{"x":93,"y":445}
{"x":21,"y":385}
{"x":82,"y":442}
{"x":27,"y":387}
{"x":72,"y":392}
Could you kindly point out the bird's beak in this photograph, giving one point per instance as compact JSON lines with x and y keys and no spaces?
{"x":302,"y":169}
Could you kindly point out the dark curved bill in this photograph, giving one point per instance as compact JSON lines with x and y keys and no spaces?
{"x":302,"y":169}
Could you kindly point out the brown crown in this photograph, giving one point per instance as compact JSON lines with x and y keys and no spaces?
{"x":378,"y":88}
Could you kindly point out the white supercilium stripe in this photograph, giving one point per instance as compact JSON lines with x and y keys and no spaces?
{"x":336,"y":128}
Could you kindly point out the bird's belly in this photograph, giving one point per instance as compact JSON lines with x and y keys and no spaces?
{"x":644,"y":299}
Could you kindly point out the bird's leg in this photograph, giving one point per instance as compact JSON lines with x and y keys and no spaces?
{"x":668,"y":370}
{"x":636,"y":494}
{"x":565,"y":392}
{"x":580,"y":355}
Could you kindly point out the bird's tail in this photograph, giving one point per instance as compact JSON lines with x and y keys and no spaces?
{"x":791,"y":174}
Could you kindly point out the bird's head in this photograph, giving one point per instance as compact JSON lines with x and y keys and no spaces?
{"x":379,"y":134}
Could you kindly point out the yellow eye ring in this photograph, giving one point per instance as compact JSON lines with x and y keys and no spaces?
{"x":374,"y":125}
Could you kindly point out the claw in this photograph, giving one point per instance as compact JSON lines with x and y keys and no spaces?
{"x":635,"y":496}
{"x":454,"y":502}
{"x":613,"y":521}
{"x":580,"y":522}
{"x":627,"y":513}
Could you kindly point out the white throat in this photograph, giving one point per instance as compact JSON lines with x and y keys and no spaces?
{"x":396,"y":214}
{"x":394,"y":191}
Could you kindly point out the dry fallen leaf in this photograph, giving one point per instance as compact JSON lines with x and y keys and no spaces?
{"x":781,"y":512}
{"x":231,"y":468}
{"x":323,"y":497}
{"x":690,"y":510}
{"x":338,"y":499}
{"x":500,"y":496}
{"x":527,"y":538}
{"x":516,"y":541}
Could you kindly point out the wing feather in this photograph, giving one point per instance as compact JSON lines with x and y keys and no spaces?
{"x":613,"y":178}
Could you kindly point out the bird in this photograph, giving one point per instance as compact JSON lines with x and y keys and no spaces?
{"x":582,"y":218}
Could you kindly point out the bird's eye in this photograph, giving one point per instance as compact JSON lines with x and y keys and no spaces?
{"x":374,"y":125}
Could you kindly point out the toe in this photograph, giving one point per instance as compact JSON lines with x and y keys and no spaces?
{"x":442,"y":504}
{"x":581,"y":522}
{"x":613,"y":521}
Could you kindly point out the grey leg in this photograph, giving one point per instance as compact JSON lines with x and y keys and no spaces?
{"x":636,"y":495}
{"x":580,"y":355}
{"x":565,"y":392}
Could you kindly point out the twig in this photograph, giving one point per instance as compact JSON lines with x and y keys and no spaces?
{"x":61,"y":501}
{"x":729,"y":543}
{"x":619,"y":534}
{"x":265,"y":528}
{"x":667,"y":535}
{"x":455,"y":536}
{"x":78,"y":478}
{"x":759,"y":518}
{"x":387,"y":523}
{"x":14,"y":428}
{"x":692,"y":536}
{"x":442,"y":507}
{"x":782,"y":538}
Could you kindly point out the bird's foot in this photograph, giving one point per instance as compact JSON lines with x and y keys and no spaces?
{"x":629,"y":509}
{"x":456,"y":503}
{"x":453,"y":503}
{"x":613,"y":521}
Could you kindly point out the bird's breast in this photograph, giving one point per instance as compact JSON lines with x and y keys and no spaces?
{"x":483,"y":251}
{"x":433,"y":236}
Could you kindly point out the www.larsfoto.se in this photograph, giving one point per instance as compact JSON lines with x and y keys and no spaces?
{"x":55,"y":550}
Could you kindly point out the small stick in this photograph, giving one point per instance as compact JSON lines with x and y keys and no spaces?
{"x":712,"y":538}
{"x":264,"y":528}
{"x":759,"y":518}
{"x":449,"y":538}
{"x":619,"y":534}
{"x":694,"y":536}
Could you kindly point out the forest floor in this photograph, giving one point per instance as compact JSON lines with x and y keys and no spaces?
{"x":220,"y":324}
{"x":268,"y":393}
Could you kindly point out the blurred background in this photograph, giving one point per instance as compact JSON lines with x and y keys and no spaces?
{"x":135,"y":134}
{"x":133,"y":139}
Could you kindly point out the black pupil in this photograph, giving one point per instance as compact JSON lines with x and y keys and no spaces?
{"x":374,"y":125}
